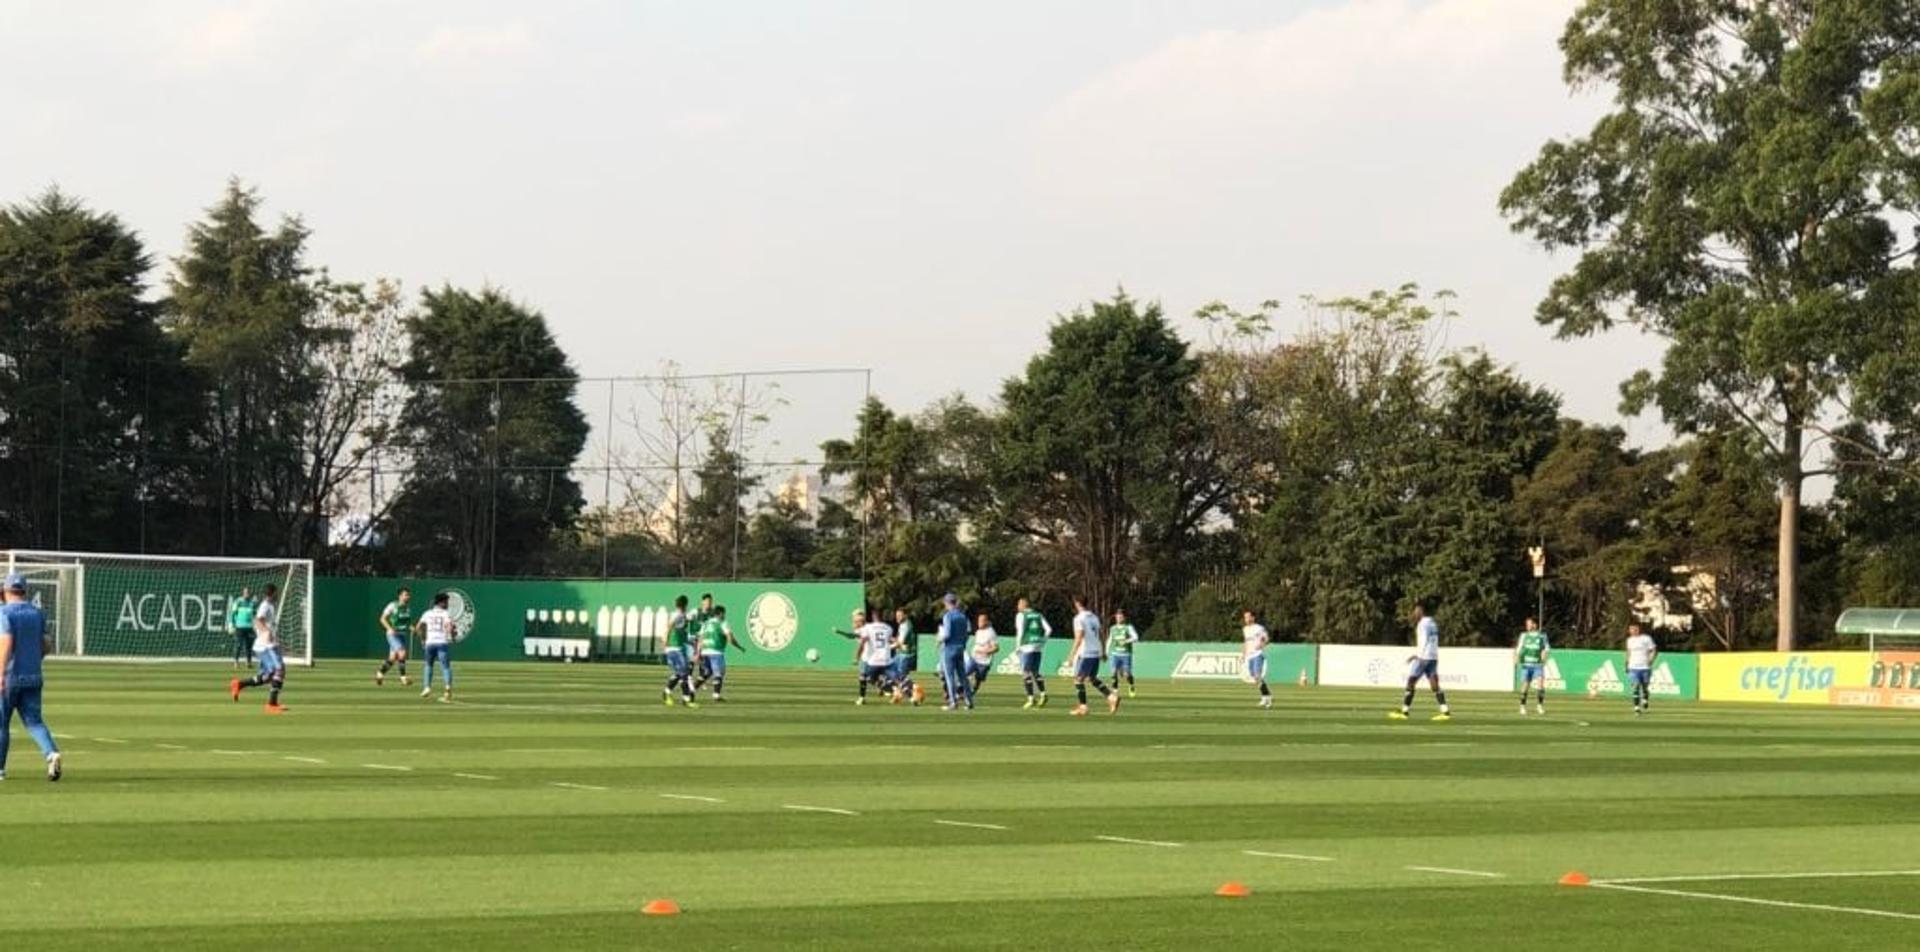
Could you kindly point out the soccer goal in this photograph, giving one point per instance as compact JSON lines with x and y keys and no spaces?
{"x":159,"y":607}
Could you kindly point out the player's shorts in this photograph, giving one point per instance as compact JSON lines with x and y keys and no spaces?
{"x":714,"y":664}
{"x":442,"y":653}
{"x":1424,"y":668}
{"x":1123,"y":662}
{"x":1530,"y":673}
{"x":676,"y":659}
{"x":1030,"y":662}
{"x":1089,"y":667}
{"x":1640,"y":676}
{"x":979,"y":667}
{"x":270,"y":662}
{"x":1256,"y":666}
{"x":904,"y":665}
{"x":874,"y":672}
{"x":396,"y":643}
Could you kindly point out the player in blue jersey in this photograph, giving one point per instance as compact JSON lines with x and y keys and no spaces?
{"x":24,"y":643}
{"x":1088,"y":651}
{"x":1424,"y":663}
{"x":955,"y":634}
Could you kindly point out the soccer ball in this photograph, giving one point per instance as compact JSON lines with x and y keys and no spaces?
{"x":813,"y":655}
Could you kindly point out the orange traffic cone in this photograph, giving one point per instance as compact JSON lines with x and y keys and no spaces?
{"x":1233,"y":891}
{"x":661,"y":907}
{"x":1576,"y":878}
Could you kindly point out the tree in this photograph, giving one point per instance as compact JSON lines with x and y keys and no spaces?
{"x":490,"y":485}
{"x":95,"y":404}
{"x":358,"y":337}
{"x":242,"y":301}
{"x":1740,"y":201}
{"x":716,"y":512}
{"x":1094,"y":456}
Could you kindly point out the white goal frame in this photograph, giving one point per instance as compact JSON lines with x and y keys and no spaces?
{"x":79,"y":563}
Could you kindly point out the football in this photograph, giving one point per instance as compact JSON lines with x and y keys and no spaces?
{"x":813,"y":655}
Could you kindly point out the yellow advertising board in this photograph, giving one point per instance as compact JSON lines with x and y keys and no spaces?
{"x":1801,"y":677}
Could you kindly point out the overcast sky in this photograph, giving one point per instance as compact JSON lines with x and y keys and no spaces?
{"x":915,"y":187}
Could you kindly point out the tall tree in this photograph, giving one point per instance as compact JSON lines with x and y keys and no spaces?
{"x":242,"y":301}
{"x":716,"y":510}
{"x":1742,"y":200}
{"x":95,"y":405}
{"x":490,"y":485}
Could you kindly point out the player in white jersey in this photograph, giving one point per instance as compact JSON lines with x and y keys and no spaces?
{"x":266,"y":649}
{"x":1424,"y":663}
{"x":439,"y":632}
{"x":1253,"y":654}
{"x":872,"y":651}
{"x":1641,"y":652}
{"x":986,"y":644}
{"x":1088,"y":651}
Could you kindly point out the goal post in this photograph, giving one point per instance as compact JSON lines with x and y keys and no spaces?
{"x":110,"y":606}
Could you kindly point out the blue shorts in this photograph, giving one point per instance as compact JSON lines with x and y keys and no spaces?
{"x":676,"y":659}
{"x":270,"y":662}
{"x":1424,"y":668}
{"x":1530,"y":673}
{"x":715,"y":664}
{"x":1089,"y":667}
{"x":1640,"y":676}
{"x":1030,"y":662}
{"x":904,"y":665}
{"x":396,"y":643}
{"x":440,"y":653}
{"x":874,"y":672}
{"x":1256,"y":667}
{"x":1123,"y":662}
{"x":976,"y":666}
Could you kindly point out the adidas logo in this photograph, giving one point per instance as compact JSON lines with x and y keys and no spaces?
{"x":1008,"y":664}
{"x":1663,"y":682}
{"x":1607,"y":681}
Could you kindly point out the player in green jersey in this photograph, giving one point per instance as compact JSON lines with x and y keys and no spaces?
{"x":240,"y":618}
{"x":1120,"y":641}
{"x":1530,"y":654}
{"x":396,"y":622}
{"x":715,"y":636}
{"x":1031,"y":631}
{"x":906,"y":659}
{"x":679,"y":654}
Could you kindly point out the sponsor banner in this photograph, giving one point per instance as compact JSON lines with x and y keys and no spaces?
{"x":777,"y":622}
{"x":1893,"y":680}
{"x":1604,"y":674}
{"x":1461,"y":669}
{"x":1801,"y":677}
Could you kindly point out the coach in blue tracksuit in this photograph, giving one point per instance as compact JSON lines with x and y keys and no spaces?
{"x":955,"y":633}
{"x":23,"y":643}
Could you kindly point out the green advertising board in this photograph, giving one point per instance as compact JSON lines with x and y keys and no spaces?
{"x":1604,"y":673}
{"x":778,"y":622}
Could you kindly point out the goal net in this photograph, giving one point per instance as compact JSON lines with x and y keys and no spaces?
{"x":161,"y":608}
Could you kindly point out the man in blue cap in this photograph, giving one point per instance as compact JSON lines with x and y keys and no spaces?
{"x":24,"y":642}
{"x":955,"y":633}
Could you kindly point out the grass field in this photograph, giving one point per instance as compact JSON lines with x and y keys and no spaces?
{"x":543,"y":809}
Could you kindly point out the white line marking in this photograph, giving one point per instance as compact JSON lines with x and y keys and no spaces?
{"x":170,"y":746}
{"x":809,"y":809}
{"x":1181,"y":747}
{"x":109,"y":740}
{"x":304,"y":760}
{"x":576,"y":786}
{"x":972,"y":826}
{"x":1046,"y":747}
{"x":475,"y":776}
{"x":1776,"y":903}
{"x":387,"y":767}
{"x":1298,"y":856}
{"x":1446,"y":871}
{"x":693,"y":797}
{"x":63,"y":736}
{"x":1134,"y":842}
{"x":710,"y":750}
{"x":230,"y":753}
{"x":1725,"y":877}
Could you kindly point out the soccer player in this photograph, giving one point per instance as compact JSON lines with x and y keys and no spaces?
{"x":679,"y":666}
{"x":266,"y":649}
{"x":1641,"y":652}
{"x":1089,"y":652}
{"x":715,"y":636}
{"x":240,"y":619}
{"x":986,"y":644}
{"x":397,"y":621}
{"x":438,"y":632}
{"x":699,"y":621}
{"x":1030,"y":628}
{"x":873,"y":652}
{"x":1120,"y":641}
{"x":1253,"y":654}
{"x":954,"y":633}
{"x":1530,"y":654}
{"x":906,"y":659}
{"x":24,"y":643}
{"x":1424,"y":663}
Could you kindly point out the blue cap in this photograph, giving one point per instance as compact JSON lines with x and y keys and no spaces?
{"x":16,"y":582}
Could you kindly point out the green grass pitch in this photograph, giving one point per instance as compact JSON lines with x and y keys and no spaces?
{"x":549,"y":804}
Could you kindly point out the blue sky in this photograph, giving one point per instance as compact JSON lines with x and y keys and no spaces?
{"x":916,"y":187}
